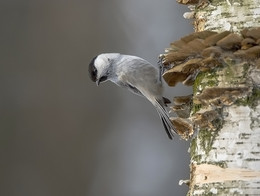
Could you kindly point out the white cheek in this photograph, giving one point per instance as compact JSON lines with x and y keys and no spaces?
{"x":100,"y":65}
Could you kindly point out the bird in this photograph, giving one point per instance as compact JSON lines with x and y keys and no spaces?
{"x":138,"y":76}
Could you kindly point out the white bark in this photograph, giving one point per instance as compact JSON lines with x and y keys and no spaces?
{"x":225,"y":153}
{"x":236,"y":149}
{"x":233,"y":149}
{"x":226,"y":15}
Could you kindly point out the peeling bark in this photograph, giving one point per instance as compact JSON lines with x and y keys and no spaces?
{"x":228,"y":161}
{"x":224,"y":15}
{"x":224,"y":119}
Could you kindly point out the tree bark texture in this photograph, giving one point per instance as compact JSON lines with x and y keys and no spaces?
{"x":222,"y":15}
{"x":223,"y":114}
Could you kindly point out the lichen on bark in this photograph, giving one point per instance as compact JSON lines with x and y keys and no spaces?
{"x":222,"y":15}
{"x":225,"y":112}
{"x":224,"y":69}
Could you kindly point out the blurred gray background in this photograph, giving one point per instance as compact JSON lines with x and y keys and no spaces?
{"x":60,"y":135}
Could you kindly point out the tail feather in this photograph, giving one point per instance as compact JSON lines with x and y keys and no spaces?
{"x":168,"y":126}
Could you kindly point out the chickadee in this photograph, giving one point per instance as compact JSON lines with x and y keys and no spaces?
{"x":136,"y":75}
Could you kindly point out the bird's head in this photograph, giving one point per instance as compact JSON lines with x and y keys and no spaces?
{"x":101,"y":67}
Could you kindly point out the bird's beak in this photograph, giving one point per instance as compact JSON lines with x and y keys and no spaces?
{"x":101,"y":79}
{"x":97,"y":82}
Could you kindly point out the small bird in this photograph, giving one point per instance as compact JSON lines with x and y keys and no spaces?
{"x":135,"y":74}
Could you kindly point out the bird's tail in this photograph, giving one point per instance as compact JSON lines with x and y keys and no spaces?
{"x":168,"y":126}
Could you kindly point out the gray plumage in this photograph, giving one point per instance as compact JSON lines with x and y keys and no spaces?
{"x":135,"y":74}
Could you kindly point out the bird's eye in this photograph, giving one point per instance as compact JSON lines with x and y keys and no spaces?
{"x":92,"y":70}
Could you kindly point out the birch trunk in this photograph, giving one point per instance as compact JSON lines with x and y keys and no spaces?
{"x":225,"y":114}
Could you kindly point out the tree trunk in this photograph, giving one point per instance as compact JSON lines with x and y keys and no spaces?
{"x":224,"y":117}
